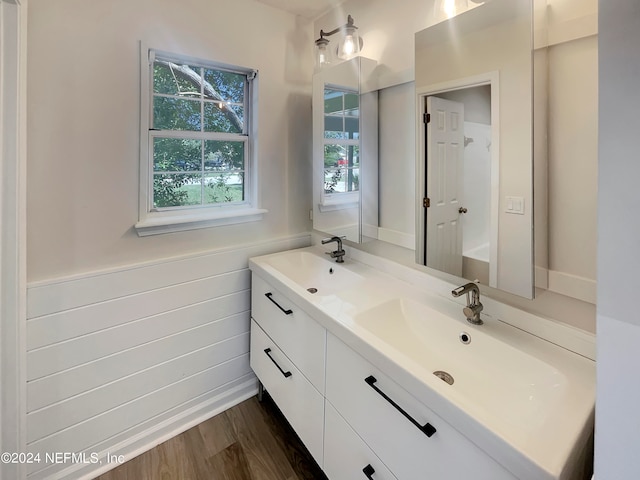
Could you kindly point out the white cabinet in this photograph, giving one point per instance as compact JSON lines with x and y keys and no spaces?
{"x":367,"y":426}
{"x":346,"y":456}
{"x":297,"y":334}
{"x":299,"y":401}
{"x":409,"y":437}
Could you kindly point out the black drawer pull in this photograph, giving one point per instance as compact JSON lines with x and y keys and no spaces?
{"x":286,"y":374}
{"x":269,"y":295}
{"x":427,"y":428}
{"x":368,"y":472}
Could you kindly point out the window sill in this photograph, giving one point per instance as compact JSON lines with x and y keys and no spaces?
{"x":169,"y":222}
{"x":341,"y":201}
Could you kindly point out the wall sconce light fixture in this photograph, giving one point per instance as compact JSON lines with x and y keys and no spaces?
{"x":350,"y":44}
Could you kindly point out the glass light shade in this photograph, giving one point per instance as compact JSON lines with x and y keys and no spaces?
{"x":445,"y":9}
{"x":350,"y":44}
{"x":323,"y":53}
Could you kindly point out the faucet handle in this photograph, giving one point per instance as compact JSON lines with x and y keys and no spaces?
{"x":335,"y":238}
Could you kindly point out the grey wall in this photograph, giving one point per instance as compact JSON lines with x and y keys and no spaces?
{"x":618,"y":319}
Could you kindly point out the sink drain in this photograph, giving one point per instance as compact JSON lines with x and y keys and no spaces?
{"x":444,"y":376}
{"x":312,"y":290}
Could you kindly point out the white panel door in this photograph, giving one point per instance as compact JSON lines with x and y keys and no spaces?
{"x":445,"y":155}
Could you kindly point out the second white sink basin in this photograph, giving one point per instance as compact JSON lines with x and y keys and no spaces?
{"x":487,"y":373}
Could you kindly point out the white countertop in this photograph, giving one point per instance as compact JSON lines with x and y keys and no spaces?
{"x":535,"y":437}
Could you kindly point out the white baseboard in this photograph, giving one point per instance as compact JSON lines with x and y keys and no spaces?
{"x":572,"y":286}
{"x":395,"y":237}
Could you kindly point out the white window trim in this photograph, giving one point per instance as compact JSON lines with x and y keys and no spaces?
{"x":152,"y":222}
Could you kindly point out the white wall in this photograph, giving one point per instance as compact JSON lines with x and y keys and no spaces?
{"x":618,"y":393}
{"x":396,"y":188}
{"x":83,"y":102}
{"x":388,"y":28}
{"x":132,"y":340}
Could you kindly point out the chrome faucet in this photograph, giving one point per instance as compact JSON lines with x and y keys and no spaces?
{"x":337,"y":254}
{"x":474,"y":307}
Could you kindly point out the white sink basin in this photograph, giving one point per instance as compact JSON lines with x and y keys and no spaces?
{"x":487,"y":373}
{"x":310,"y":271}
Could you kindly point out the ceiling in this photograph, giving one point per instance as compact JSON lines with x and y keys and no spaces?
{"x":310,"y":9}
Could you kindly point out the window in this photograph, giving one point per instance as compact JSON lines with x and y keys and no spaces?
{"x":341,"y":145}
{"x":196,"y":144}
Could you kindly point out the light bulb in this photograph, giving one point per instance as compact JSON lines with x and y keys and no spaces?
{"x":445,"y":9}
{"x":349,"y":45}
{"x":323,"y":53}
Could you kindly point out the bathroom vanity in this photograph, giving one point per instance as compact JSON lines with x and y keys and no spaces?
{"x":382,"y":379}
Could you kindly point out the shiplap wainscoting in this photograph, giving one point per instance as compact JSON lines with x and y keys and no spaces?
{"x":119,"y":361}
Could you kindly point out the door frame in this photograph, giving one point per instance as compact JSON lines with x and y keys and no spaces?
{"x":422,"y":92}
{"x":13,"y":160}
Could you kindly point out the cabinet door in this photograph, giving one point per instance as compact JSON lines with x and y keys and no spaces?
{"x":298,"y":335}
{"x":346,"y":456}
{"x":299,"y":401}
{"x":408,"y":451}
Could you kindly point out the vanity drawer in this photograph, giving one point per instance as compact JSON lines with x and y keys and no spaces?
{"x":346,"y":456}
{"x":406,"y":450}
{"x":298,"y":400}
{"x":298,"y":335}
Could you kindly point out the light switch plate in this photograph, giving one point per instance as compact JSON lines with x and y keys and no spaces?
{"x":515,"y":205}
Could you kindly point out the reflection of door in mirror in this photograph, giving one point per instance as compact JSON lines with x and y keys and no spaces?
{"x":445,"y":157}
{"x":460,"y":227}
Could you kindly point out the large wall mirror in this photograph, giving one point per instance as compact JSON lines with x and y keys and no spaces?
{"x":474,"y":146}
{"x":345,"y":150}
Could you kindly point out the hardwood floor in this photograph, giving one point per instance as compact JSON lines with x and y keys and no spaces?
{"x":251,"y":441}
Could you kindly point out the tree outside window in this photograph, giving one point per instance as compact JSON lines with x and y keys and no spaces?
{"x":198,"y":136}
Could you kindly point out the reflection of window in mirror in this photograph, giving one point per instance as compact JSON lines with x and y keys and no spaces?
{"x":341,"y":145}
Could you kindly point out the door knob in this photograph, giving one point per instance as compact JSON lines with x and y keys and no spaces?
{"x":462,"y":210}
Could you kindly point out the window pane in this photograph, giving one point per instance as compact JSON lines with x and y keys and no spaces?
{"x":176,"y":114}
{"x":219,"y":117}
{"x":173,"y":79}
{"x":225,"y":86}
{"x":351,"y":105}
{"x":342,"y":111}
{"x":175,"y":190}
{"x":342,"y":168}
{"x":223,"y":156}
{"x":335,"y":155}
{"x":353,"y":156}
{"x":176,"y":155}
{"x":333,"y":101}
{"x":334,"y":127}
{"x":224,"y":188}
{"x":341,"y":180}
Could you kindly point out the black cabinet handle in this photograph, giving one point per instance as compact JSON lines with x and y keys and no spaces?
{"x":286,"y":374}
{"x":269,"y":295}
{"x":368,"y":472}
{"x":427,"y":428}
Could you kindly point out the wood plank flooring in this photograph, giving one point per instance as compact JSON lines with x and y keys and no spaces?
{"x":251,"y":441}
